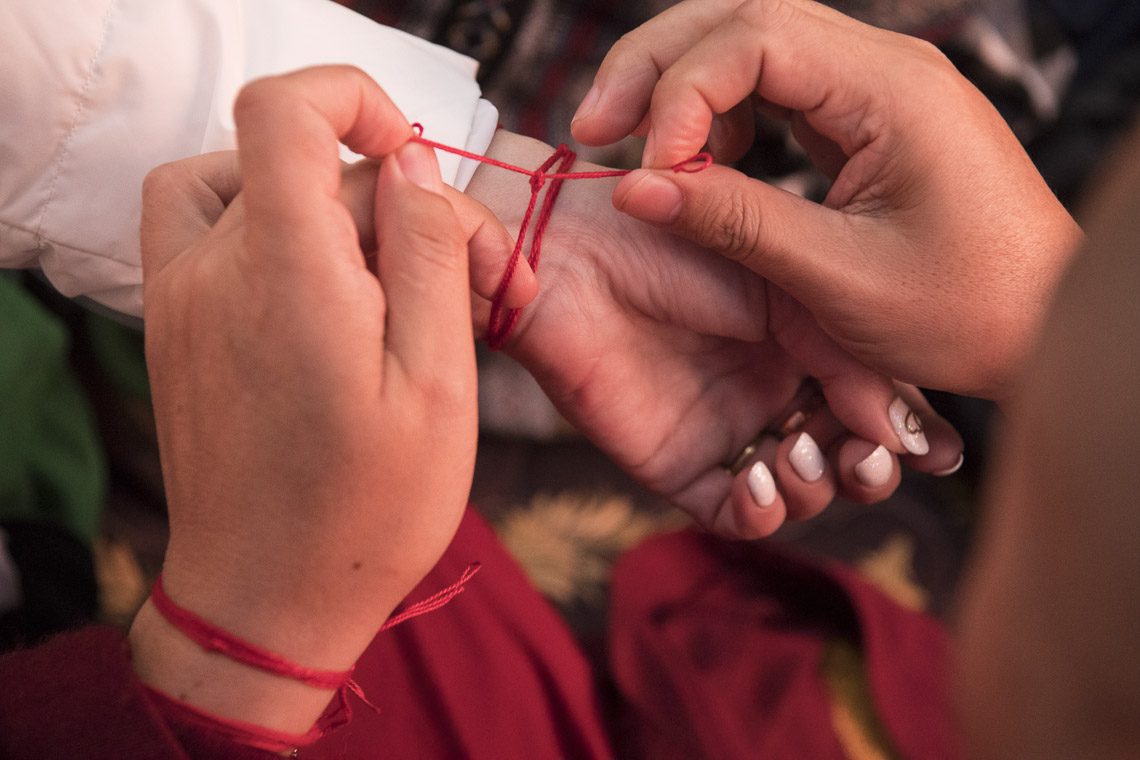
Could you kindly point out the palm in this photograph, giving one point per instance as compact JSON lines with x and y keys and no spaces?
{"x":654,"y":350}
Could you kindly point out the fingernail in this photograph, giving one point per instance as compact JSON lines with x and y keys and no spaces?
{"x":588,"y":103}
{"x":806,"y":458}
{"x":652,"y":198}
{"x":951,"y":470}
{"x":650,"y":151}
{"x":419,"y":166}
{"x":761,"y":485}
{"x":908,"y":427}
{"x":876,"y":469}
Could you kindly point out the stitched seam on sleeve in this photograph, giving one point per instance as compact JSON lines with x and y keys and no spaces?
{"x":42,"y":242}
{"x":76,"y":120}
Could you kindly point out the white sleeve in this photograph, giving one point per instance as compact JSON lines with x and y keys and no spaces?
{"x":95,"y":93}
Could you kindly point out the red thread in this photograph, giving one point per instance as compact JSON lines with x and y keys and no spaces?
{"x":436,"y":600}
{"x":237,"y":731}
{"x":500,"y":325}
{"x":214,"y":639}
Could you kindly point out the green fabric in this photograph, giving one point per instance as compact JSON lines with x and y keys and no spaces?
{"x":52,"y":465}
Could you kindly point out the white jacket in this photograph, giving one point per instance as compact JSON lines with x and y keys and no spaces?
{"x":95,"y":93}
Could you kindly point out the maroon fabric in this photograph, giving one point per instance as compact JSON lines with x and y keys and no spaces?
{"x":716,"y":649}
{"x":494,"y":674}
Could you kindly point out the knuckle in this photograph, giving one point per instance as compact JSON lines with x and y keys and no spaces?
{"x":432,"y":232}
{"x":733,"y":226}
{"x":161,"y":180}
{"x":629,"y":49}
{"x":766,"y":15}
{"x":264,"y":95}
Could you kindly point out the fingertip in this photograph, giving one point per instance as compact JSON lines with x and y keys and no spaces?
{"x":868,"y":472}
{"x":754,"y":508}
{"x":806,"y":481}
{"x":523,"y":287}
{"x":582,"y":122}
{"x":649,"y":196}
{"x":418,"y":164}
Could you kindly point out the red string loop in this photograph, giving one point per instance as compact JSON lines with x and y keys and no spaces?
{"x":214,"y":639}
{"x":502,"y":321}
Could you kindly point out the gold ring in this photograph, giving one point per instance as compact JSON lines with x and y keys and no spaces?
{"x":741,"y":459}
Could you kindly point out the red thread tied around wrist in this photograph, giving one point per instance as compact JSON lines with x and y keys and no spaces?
{"x":502,"y":321}
{"x":214,"y":639}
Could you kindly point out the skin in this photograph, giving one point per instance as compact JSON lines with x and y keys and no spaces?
{"x":935,"y":253}
{"x":944,"y":251}
{"x":251,"y":535}
{"x":1053,"y":602}
{"x":671,"y":360}
{"x":310,"y":343}
{"x":284,"y":410}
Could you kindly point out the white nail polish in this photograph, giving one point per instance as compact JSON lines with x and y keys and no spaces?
{"x":908,"y":427}
{"x":875,"y":471}
{"x":806,"y":458}
{"x":761,"y":485}
{"x":951,"y":470}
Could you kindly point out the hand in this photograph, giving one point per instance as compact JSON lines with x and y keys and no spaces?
{"x":935,"y":252}
{"x":671,"y":360}
{"x":316,"y":407}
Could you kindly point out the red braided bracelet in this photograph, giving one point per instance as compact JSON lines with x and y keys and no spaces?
{"x":500,"y":325}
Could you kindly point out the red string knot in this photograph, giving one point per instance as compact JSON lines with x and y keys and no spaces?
{"x":697,"y":163}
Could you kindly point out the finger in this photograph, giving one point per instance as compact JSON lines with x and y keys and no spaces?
{"x":623,"y":86}
{"x":490,"y":250}
{"x":800,"y":56}
{"x":489,"y":244}
{"x":732,"y":133}
{"x":756,"y":506}
{"x":866,"y":402}
{"x":289,"y":129}
{"x":946,"y":448}
{"x":422,"y":266}
{"x":807,"y":249}
{"x":803,"y":475}
{"x":867,"y":472}
{"x":182,"y":201}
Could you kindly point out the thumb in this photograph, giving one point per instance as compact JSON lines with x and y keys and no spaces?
{"x":799,"y":245}
{"x":422,"y":265}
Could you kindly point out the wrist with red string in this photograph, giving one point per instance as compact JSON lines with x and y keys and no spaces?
{"x":245,"y":688}
{"x":533,"y":187}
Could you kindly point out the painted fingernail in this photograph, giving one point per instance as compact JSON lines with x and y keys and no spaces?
{"x":875,"y":471}
{"x":652,"y":198}
{"x":951,"y":470}
{"x":908,"y":427}
{"x":589,"y":102}
{"x":419,"y":166}
{"x":806,"y":458}
{"x":761,"y":485}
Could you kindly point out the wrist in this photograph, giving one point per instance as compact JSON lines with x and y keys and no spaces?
{"x":582,"y":208}
{"x":166,"y":660}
